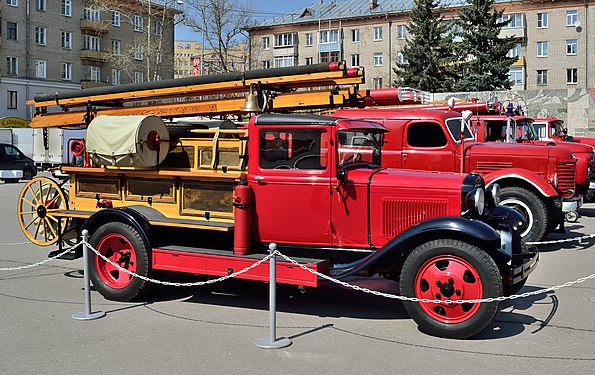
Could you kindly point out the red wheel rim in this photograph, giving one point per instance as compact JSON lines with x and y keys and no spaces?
{"x":118,"y":249}
{"x":448,"y":277}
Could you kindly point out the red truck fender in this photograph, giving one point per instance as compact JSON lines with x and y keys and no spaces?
{"x":529,"y":177}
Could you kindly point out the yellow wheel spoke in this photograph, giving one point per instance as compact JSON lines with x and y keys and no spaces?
{"x":45,"y":232}
{"x":28,"y":212}
{"x":31,"y":222}
{"x":34,"y":195}
{"x":52,"y":217}
{"x":37,"y":228}
{"x":46,"y":222}
{"x":47,"y":196}
{"x":31,"y":203}
{"x":48,"y":204}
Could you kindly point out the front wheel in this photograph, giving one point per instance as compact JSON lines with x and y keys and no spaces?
{"x":531,"y":207}
{"x":450,"y":270}
{"x":122,"y":245}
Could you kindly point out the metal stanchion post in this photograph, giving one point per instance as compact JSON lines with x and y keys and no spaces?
{"x":87,"y":314}
{"x":272,"y":342}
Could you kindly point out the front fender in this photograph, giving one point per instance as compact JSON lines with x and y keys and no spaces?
{"x":443,"y":227}
{"x":124,"y":215}
{"x":529,"y":177}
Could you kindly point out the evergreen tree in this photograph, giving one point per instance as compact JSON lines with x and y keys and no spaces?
{"x":485,"y":65}
{"x":428,"y":52}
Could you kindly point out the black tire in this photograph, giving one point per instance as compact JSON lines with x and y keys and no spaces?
{"x":113,"y":240}
{"x":482,"y":279}
{"x":530,"y":206}
{"x":28,"y":174}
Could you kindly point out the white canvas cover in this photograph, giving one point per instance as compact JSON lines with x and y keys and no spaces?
{"x":121,"y":141}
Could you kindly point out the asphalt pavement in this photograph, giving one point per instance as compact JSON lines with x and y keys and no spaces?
{"x":212,"y":329}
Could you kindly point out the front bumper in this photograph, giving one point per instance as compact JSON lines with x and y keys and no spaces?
{"x":572,"y":203}
{"x":523,"y":264}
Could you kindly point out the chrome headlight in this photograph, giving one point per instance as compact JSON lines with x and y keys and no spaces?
{"x":475,"y":201}
{"x":493,"y":195}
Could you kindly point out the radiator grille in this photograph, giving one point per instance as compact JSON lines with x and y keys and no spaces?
{"x":566,"y":175}
{"x":401,"y":214}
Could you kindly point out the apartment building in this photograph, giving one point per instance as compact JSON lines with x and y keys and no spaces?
{"x":58,"y":45}
{"x":553,"y":46}
{"x":191,"y":59}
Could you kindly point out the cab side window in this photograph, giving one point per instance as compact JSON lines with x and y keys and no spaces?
{"x":293,"y":149}
{"x":12,"y":152}
{"x":426,"y":135}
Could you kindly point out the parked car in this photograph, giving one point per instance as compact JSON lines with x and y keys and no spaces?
{"x":13,"y":159}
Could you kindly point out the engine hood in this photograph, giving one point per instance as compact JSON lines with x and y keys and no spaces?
{"x":524,"y":150}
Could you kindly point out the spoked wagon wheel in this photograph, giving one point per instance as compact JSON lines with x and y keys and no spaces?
{"x":40,"y":198}
{"x":450,"y":270}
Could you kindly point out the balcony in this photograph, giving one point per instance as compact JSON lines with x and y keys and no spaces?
{"x":520,"y":61}
{"x":95,"y":27}
{"x":515,"y":32}
{"x":94,"y":56}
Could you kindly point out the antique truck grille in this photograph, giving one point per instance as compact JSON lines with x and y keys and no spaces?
{"x":411,"y":212}
{"x":566,"y":175}
{"x":489,"y":166}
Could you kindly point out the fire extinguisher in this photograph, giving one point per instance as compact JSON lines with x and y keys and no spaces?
{"x":242,"y":204}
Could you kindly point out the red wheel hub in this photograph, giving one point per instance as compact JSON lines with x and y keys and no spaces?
{"x":118,"y":249}
{"x":448,"y":277}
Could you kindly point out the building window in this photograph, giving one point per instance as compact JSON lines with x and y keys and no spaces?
{"x":11,"y":100}
{"x":40,"y":33}
{"x":40,"y":5}
{"x":400,"y":58}
{"x":354,"y":35}
{"x":116,"y":18}
{"x":541,"y":49}
{"x":571,"y":76}
{"x":377,"y":58}
{"x":516,"y":75}
{"x":140,"y":77}
{"x":66,"y":39}
{"x":542,"y":77}
{"x":542,"y":20}
{"x":93,"y":73}
{"x":377,"y":33}
{"x":571,"y":17}
{"x":308,"y":61}
{"x":12,"y":66}
{"x":284,"y":40}
{"x":137,"y":23}
{"x":11,"y":31}
{"x":66,"y":71}
{"x":157,"y":27}
{"x":571,"y":47}
{"x":40,"y":67}
{"x":514,"y":20}
{"x":401,"y":31}
{"x":309,"y":40}
{"x":67,"y":8}
{"x":91,"y":12}
{"x":116,"y":76}
{"x":266,"y":43}
{"x":139,"y":53}
{"x":326,"y":57}
{"x":283,"y":61}
{"x":12,"y":3}
{"x":377,"y":83}
{"x":355,"y":59}
{"x":515,"y":51}
{"x":116,"y":47}
{"x":266,"y":64}
{"x":328,"y":36}
{"x":92,"y":43}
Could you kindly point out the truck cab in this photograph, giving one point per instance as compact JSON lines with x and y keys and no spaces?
{"x":533,"y":179}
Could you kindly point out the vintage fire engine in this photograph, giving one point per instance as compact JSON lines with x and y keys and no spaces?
{"x":533,"y":179}
{"x":209,"y":202}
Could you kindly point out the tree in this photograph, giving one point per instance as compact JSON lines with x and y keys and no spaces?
{"x":427,"y":55}
{"x":222,"y":24}
{"x":485,"y":66}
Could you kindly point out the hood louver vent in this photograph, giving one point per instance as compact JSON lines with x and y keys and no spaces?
{"x":411,"y":212}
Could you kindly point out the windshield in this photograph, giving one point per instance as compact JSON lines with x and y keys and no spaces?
{"x":524,"y":131}
{"x":454,"y":127}
{"x":359,"y":147}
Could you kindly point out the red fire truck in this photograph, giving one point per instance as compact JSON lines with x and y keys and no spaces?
{"x":211,"y":201}
{"x":533,"y":179}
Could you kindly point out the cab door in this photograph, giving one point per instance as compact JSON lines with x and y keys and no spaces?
{"x":290,"y":180}
{"x":426,"y":146}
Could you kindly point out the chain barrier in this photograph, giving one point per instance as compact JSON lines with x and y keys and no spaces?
{"x":15,"y":243}
{"x":43,"y":261}
{"x":321,"y":275}
{"x":579,"y":239}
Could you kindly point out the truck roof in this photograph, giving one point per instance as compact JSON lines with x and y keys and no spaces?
{"x":396,"y":113}
{"x":310,"y":120}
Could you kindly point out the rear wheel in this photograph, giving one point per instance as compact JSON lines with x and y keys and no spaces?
{"x":450,"y":270}
{"x":531,"y":207}
{"x":123,"y":245}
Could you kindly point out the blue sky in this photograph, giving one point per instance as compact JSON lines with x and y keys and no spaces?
{"x":263,"y":9}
